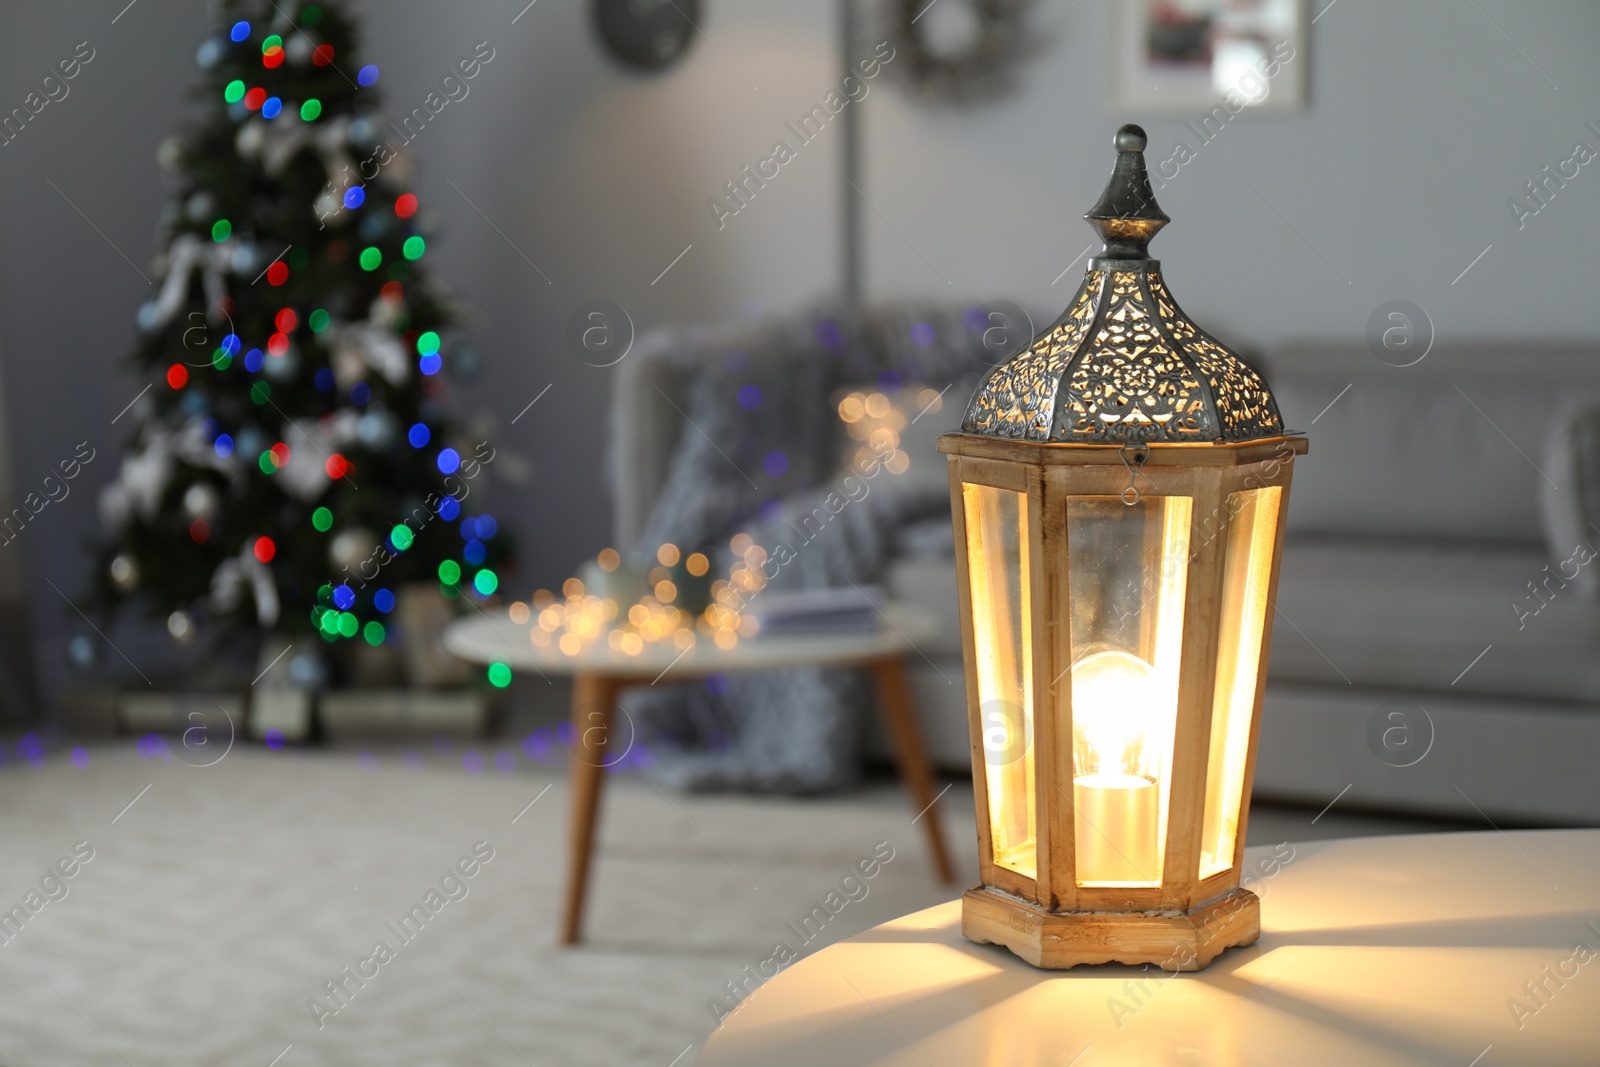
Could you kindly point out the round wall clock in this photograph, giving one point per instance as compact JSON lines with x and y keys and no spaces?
{"x":647,"y":34}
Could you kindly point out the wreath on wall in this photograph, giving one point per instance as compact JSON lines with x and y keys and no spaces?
{"x":957,"y":51}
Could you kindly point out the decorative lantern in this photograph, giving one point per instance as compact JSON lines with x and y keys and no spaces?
{"x":1119,"y":490}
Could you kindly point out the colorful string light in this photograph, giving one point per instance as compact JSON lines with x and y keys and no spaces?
{"x":265,"y":549}
{"x":177,"y":376}
{"x":405,"y":205}
{"x":322,"y":520}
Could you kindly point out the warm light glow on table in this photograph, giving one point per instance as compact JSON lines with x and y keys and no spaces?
{"x":1420,"y":975}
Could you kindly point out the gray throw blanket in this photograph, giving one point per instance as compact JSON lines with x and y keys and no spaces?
{"x":757,"y":462}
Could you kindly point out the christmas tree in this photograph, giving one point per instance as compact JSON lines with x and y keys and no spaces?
{"x":291,"y":468}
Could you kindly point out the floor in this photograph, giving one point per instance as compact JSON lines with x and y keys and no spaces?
{"x":220,"y":901}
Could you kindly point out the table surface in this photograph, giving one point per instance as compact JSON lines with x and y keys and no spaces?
{"x":496,"y":639}
{"x":1374,"y":951}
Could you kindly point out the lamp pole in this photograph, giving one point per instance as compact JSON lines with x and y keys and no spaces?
{"x":850,"y":235}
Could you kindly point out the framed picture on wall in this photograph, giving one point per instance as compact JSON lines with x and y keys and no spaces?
{"x":1182,"y":56}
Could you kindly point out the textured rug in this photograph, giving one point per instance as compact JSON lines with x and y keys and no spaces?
{"x":218,"y":905}
{"x":225,"y":898}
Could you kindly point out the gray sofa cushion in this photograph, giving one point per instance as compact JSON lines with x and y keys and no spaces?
{"x":1412,"y":615}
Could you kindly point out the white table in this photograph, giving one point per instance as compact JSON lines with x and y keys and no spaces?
{"x":599,"y":673}
{"x":1373,"y":952}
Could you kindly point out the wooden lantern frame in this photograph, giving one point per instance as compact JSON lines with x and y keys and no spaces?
{"x":1124,"y":397}
{"x":1050,"y":920}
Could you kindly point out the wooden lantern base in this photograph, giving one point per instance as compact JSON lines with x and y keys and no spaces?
{"x":1058,"y":940}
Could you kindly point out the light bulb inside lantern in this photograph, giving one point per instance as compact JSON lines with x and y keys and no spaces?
{"x":1113,"y":696}
{"x":1116,"y":800}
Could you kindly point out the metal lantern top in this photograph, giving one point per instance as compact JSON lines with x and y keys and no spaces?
{"x":1124,"y":365}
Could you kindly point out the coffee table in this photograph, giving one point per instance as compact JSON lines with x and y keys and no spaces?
{"x":1374,"y":952}
{"x":599,"y":674}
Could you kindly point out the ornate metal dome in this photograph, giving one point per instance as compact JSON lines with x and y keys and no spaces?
{"x":1124,"y":365}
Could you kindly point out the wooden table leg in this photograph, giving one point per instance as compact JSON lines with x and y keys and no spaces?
{"x":911,"y":759}
{"x":593,"y":701}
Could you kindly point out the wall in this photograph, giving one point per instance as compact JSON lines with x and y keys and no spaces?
{"x":1423,"y":121}
{"x":558,"y":157}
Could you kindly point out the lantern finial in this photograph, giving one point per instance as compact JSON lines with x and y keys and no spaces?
{"x":1123,"y":365}
{"x":1127,"y":216}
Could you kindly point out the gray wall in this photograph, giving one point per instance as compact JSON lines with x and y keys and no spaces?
{"x":1423,"y":121}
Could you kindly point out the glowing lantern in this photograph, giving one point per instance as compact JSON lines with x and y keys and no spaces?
{"x":1119,"y":489}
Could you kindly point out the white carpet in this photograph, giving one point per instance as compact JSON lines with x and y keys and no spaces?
{"x":206,"y":920}
{"x":224,"y":898}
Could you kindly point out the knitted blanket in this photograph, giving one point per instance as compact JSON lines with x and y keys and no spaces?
{"x":765,"y":447}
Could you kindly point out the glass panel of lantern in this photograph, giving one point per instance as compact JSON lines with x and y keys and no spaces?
{"x":997,"y":565}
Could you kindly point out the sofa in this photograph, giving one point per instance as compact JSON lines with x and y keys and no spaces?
{"x":1436,"y":647}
